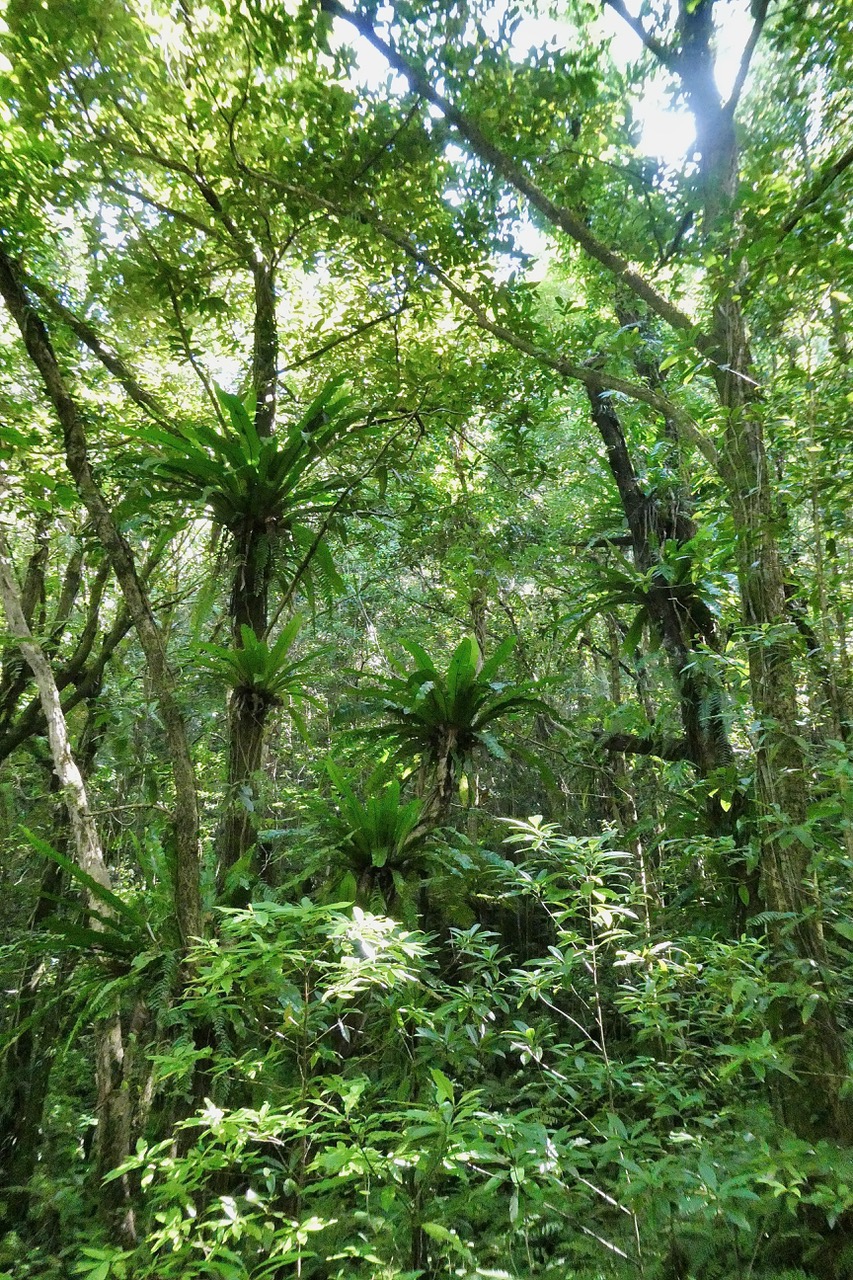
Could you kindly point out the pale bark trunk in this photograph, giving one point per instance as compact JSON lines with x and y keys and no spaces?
{"x":87,"y":845}
{"x":113,"y":1133}
{"x":620,"y":788}
{"x":40,"y":351}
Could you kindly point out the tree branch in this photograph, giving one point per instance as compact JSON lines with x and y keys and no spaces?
{"x":359,"y":329}
{"x":594,"y":379}
{"x":264,"y":348}
{"x":85,"y":679}
{"x":108,"y":357}
{"x":746,"y":56}
{"x":13,"y":674}
{"x":150,"y":153}
{"x":40,"y":351}
{"x":650,"y":42}
{"x":177,"y":214}
{"x":185,"y":336}
{"x":85,"y":683}
{"x":820,"y":185}
{"x":671,"y":749}
{"x":87,"y":845}
{"x":558,"y":215}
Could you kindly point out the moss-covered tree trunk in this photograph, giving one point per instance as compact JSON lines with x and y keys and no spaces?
{"x":814,"y":1105}
{"x":113,"y":1108}
{"x":248,"y":712}
{"x":187,"y":890}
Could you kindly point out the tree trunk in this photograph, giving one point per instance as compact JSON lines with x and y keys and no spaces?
{"x":814,"y":1106}
{"x":248,"y":712}
{"x":113,"y":1133}
{"x":186,"y":822}
{"x":681,"y":619}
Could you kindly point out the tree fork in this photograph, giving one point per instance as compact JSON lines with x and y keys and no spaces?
{"x":186,"y":825}
{"x":113,"y":1100}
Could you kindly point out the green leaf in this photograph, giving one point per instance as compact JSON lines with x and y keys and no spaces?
{"x":100,"y":1271}
{"x":462,"y":670}
{"x":492,"y":665}
{"x":443,"y":1088}
{"x":98,"y":890}
{"x":420,"y":655}
{"x":437,"y":1232}
{"x":842,"y":927}
{"x":634,"y":634}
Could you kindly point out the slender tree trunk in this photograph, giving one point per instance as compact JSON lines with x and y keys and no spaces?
{"x":248,"y":713}
{"x":113,"y":1107}
{"x":816,"y":1105}
{"x":265,"y":349}
{"x":186,"y":822}
{"x":621,"y":788}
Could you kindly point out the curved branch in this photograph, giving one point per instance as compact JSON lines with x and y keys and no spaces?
{"x":650,"y":42}
{"x":746,"y":56}
{"x":108,"y":357}
{"x":672,"y":749}
{"x":820,"y":185}
{"x":558,"y":215}
{"x":816,"y":190}
{"x":349,"y":336}
{"x":85,"y":679}
{"x":178,"y":215}
{"x":40,"y":351}
{"x":594,"y":379}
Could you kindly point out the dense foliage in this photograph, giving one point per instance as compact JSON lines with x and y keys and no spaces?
{"x":426,"y":753}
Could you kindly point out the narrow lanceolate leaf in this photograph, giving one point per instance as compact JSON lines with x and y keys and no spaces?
{"x":94,"y":940}
{"x":242,"y":422}
{"x":462,"y":671}
{"x":420,"y":656}
{"x":493,"y":664}
{"x":94,"y":887}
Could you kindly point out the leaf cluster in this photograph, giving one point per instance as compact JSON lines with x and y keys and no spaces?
{"x":435,"y":713}
{"x":383,"y":830}
{"x":256,"y":669}
{"x":254,"y":484}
